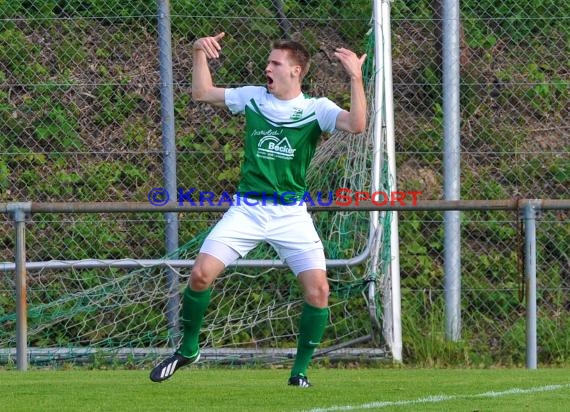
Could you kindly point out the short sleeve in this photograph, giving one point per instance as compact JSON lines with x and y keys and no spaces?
{"x":237,"y":98}
{"x":327,"y":111}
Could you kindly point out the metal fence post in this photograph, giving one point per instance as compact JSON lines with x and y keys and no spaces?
{"x":18,"y":212}
{"x":451,"y":168}
{"x":530,"y":279}
{"x":169,"y":149}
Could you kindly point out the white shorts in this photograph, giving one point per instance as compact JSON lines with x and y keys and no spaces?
{"x":289,"y":229}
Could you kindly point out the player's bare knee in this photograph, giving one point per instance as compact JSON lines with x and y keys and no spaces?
{"x":323,"y":291}
{"x":198,"y":279}
{"x":318,"y":295}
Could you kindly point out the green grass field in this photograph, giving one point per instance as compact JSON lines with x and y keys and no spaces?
{"x":217,"y":389}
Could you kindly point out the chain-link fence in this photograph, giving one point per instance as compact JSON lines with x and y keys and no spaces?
{"x":80,"y":120}
{"x":515,"y":143}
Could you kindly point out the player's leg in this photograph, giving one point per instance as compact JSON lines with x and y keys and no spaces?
{"x":314,"y":313}
{"x":297,"y":242}
{"x":195,"y":301}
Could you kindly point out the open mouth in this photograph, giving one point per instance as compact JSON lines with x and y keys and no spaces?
{"x":269,"y":80}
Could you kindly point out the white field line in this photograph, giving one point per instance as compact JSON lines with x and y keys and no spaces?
{"x":442,"y":398}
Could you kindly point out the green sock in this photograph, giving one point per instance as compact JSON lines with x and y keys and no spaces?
{"x":194,"y":305}
{"x":311,"y":330}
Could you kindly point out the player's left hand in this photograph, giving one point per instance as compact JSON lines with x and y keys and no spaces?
{"x":350,"y":61}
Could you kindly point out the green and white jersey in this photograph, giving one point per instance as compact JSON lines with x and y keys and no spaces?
{"x":280,"y":138}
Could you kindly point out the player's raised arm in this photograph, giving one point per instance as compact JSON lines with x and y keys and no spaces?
{"x":353,"y":121}
{"x":203,"y":89}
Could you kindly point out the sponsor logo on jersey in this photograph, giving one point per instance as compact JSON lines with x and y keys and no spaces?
{"x":271,"y":147}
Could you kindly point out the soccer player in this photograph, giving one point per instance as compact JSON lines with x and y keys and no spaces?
{"x":282,"y":129}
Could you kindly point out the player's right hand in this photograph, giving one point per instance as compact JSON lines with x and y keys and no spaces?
{"x":210,"y":45}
